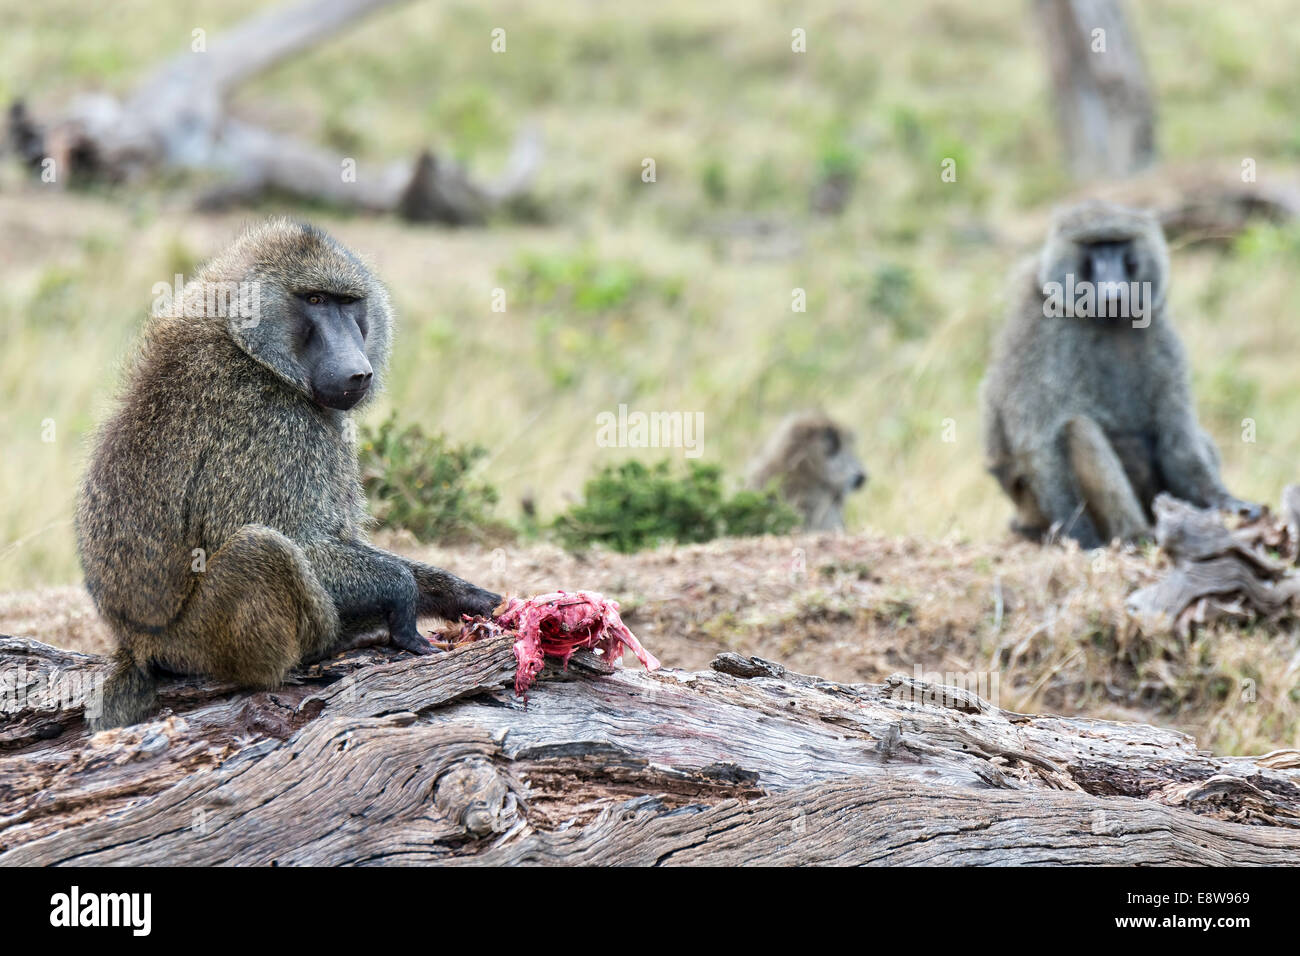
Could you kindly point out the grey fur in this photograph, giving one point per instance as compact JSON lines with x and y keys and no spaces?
{"x":1087,"y":418}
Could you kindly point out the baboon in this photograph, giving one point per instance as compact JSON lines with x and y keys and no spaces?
{"x":221,"y":521}
{"x":1087,"y":406}
{"x":811,"y":461}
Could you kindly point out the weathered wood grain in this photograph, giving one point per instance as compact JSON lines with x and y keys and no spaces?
{"x":378,"y":758}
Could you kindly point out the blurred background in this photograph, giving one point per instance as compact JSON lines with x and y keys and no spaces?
{"x":774,"y":170}
{"x":646,"y":188}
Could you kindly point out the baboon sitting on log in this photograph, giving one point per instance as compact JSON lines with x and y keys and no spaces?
{"x":220,"y":523}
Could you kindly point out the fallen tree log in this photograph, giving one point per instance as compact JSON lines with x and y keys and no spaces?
{"x":379,"y":758}
{"x":178,"y":118}
{"x":1205,"y":203}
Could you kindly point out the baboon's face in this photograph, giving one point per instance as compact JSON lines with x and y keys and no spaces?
{"x":319,"y":321}
{"x":843,"y":470}
{"x":1113,"y":266}
{"x":330,"y":337}
{"x":1116,"y":250}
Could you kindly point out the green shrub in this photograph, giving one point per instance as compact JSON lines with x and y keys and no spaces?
{"x":713,"y":180}
{"x":632,"y":506}
{"x":422,"y":483}
{"x":894,"y":296}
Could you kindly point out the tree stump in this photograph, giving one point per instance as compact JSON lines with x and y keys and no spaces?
{"x":1104,"y":105}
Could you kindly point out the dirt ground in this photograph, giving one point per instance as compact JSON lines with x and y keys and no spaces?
{"x":1044,"y":628}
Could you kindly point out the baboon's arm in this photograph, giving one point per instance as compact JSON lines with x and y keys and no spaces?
{"x":443,"y":594}
{"x":371,"y":588}
{"x":1190,"y":464}
{"x":1187,"y":461}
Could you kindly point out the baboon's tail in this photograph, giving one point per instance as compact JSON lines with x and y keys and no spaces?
{"x":130,"y":694}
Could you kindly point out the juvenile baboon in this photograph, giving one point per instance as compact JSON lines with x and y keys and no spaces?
{"x":1087,"y":408}
{"x":811,"y":461}
{"x":221,"y":521}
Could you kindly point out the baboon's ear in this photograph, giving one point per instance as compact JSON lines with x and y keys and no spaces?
{"x":379,"y":339}
{"x":268,"y":338}
{"x":1153,"y":250}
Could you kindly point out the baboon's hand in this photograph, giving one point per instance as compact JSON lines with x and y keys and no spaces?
{"x":479,"y":603}
{"x":413,"y":642}
{"x":1245,"y":509}
{"x":1248,"y":510}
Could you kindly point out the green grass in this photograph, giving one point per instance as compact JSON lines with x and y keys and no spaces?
{"x":673,"y":295}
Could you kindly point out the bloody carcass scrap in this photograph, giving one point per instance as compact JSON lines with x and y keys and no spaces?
{"x":556,"y":625}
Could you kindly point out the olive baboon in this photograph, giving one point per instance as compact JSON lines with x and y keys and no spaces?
{"x":811,"y":461}
{"x":1087,"y":408}
{"x":220,"y":524}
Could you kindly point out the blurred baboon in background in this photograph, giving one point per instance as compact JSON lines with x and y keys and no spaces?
{"x":810,"y":459}
{"x":1088,"y":412}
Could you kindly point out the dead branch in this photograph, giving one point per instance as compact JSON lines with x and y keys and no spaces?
{"x":178,"y":118}
{"x":1246,"y":573}
{"x":1105,"y":109}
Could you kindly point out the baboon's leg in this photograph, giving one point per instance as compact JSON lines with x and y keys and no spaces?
{"x":256,"y":610}
{"x":1051,"y":483}
{"x":1029,"y":519}
{"x":129,"y":695}
{"x":1137,"y":456}
{"x":1102,"y":481}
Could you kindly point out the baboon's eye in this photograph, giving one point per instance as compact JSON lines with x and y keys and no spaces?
{"x":832,"y":442}
{"x":314,"y":299}
{"x":1130,"y":263}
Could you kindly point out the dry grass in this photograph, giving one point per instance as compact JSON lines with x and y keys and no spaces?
{"x":1047,"y":624}
{"x":712,"y":96}
{"x":904,"y":293}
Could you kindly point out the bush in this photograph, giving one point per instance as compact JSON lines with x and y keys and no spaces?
{"x":422,"y":484}
{"x":630,"y":506}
